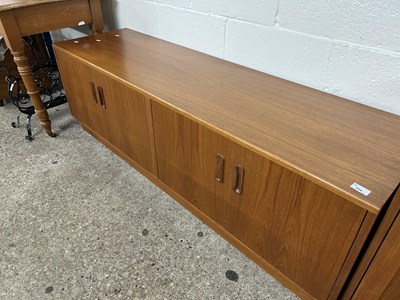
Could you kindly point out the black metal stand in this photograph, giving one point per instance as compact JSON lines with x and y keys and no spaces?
{"x":48,"y":81}
{"x":17,"y":124}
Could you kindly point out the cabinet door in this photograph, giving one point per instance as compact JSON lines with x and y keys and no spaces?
{"x":126,"y":122}
{"x":91,"y":81}
{"x":300,"y":229}
{"x":186,"y":161}
{"x":120,"y":116}
{"x":76,"y":89}
{"x":112,"y":110}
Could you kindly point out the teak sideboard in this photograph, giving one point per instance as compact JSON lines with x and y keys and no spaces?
{"x":299,"y":180}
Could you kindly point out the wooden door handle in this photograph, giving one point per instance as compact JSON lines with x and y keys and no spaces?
{"x":219,"y":173}
{"x":93,"y":90}
{"x":238,"y":176}
{"x":101,"y":96}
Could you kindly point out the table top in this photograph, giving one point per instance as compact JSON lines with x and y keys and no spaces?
{"x":14,"y":4}
{"x":329,"y":140}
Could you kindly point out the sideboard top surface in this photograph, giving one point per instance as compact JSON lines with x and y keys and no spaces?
{"x":329,"y":140}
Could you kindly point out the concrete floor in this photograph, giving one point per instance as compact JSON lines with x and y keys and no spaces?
{"x":77,"y":222}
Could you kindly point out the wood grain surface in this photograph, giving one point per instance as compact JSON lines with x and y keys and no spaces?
{"x":75,"y":88}
{"x":50,"y":16}
{"x":13,"y":4}
{"x":206,"y":219}
{"x":299,"y":228}
{"x":122,"y":122}
{"x":97,"y":24}
{"x":328,"y":140}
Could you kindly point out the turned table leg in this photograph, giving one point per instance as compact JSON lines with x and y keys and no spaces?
{"x":25,"y":71}
{"x":9,"y":29}
{"x":14,"y":24}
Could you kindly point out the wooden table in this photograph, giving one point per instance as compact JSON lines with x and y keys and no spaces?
{"x":20,"y":18}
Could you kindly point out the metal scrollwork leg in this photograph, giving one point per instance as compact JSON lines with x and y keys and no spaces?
{"x":16,"y":124}
{"x":29,"y":128}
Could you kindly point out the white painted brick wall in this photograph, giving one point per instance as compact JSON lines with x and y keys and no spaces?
{"x":199,"y":31}
{"x":347,"y":48}
{"x":141,"y":15}
{"x":256,"y":11}
{"x":279,"y":52}
{"x":369,"y":77}
{"x":374,"y":23}
{"x":176,"y":3}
